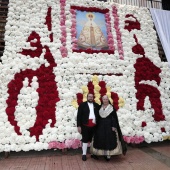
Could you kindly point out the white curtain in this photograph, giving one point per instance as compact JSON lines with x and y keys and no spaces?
{"x":161,"y":20}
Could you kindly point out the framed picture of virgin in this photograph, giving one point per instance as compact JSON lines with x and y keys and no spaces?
{"x":91,"y":30}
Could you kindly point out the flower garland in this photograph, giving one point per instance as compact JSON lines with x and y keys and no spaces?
{"x":134,"y":139}
{"x":74,"y":144}
{"x":90,"y":9}
{"x":63,"y":48}
{"x":118,"y":33}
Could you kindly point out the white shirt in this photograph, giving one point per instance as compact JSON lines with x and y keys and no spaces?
{"x":91,"y":115}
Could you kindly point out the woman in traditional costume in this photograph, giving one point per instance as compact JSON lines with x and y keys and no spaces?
{"x":108,"y":138}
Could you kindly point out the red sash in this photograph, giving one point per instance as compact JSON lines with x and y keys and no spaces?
{"x":90,"y":123}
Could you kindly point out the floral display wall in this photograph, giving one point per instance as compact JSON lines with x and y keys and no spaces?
{"x":58,"y":51}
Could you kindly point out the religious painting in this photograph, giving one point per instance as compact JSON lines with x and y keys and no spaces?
{"x":91,"y":30}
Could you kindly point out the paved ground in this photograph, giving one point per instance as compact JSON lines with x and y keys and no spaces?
{"x":149,"y":157}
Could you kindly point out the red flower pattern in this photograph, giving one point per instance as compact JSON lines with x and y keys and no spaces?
{"x":48,"y":94}
{"x":143,"y":124}
{"x":118,"y":33}
{"x":63,"y":49}
{"x":131,"y":25}
{"x":90,"y":9}
{"x":163,"y":129}
{"x":146,"y":70}
{"x":103,"y":91}
{"x":49,"y":23}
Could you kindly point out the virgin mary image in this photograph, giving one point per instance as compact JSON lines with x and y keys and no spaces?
{"x":91,"y":36}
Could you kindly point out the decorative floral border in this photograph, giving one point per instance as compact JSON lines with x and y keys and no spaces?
{"x":63,"y":48}
{"x":118,"y":33}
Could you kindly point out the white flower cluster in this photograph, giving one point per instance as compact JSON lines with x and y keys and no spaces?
{"x":75,"y":71}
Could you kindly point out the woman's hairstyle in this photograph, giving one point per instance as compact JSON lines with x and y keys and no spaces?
{"x":102,"y":100}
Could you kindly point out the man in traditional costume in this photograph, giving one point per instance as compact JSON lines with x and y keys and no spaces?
{"x":87,"y":117}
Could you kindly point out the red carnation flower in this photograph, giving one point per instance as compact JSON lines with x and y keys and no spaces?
{"x":10,"y":110}
{"x":143,"y":124}
{"x":51,"y":103}
{"x":159,"y":117}
{"x":102,"y":84}
{"x":17,"y":129}
{"x":103,"y":91}
{"x":79,"y":96}
{"x":90,"y":84}
{"x":163,"y":129}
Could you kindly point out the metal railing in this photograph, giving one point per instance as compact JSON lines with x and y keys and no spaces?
{"x":140,"y":3}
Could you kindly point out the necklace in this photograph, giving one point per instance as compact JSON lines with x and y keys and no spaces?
{"x":104,"y":107}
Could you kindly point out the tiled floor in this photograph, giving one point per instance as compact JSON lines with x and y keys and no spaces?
{"x":151,"y":157}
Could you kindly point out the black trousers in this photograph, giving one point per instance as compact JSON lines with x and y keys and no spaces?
{"x":87,"y":133}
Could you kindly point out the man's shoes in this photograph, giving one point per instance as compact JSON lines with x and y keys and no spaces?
{"x":94,"y":157}
{"x":84,"y":157}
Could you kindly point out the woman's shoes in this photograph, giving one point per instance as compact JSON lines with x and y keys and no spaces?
{"x":94,"y":157}
{"x":107,"y":158}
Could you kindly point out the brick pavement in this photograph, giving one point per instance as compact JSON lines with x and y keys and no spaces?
{"x":150,"y":157}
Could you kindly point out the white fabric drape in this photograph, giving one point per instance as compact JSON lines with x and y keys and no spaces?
{"x":161,"y":20}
